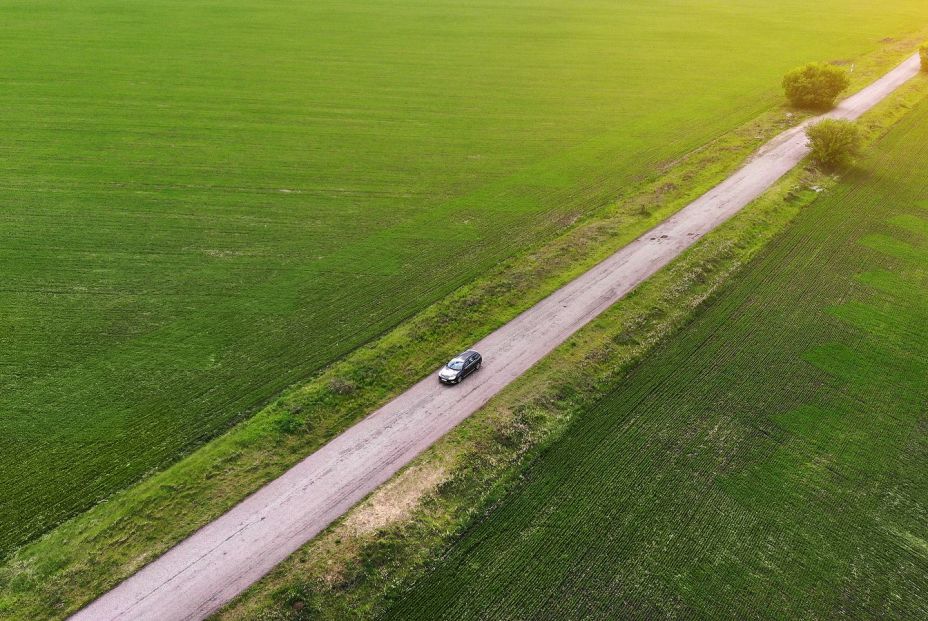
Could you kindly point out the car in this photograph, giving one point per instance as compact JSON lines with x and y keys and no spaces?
{"x":460,"y":367}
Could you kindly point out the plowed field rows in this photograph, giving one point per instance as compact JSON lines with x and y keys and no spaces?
{"x":205,"y":201}
{"x":769,"y":462}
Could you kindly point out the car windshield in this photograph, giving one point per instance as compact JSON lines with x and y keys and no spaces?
{"x":456,"y":365}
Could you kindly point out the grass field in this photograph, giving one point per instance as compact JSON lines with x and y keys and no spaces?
{"x":768,"y":462}
{"x":206,"y":202}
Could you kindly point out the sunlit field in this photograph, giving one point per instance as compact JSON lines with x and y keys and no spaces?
{"x":204,"y":202}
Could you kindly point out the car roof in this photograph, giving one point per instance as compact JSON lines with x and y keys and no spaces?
{"x":469,"y":352}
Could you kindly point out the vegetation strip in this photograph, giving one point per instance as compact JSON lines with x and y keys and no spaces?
{"x":226,"y":556}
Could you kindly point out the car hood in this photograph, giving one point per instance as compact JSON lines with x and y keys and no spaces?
{"x":448,"y":373}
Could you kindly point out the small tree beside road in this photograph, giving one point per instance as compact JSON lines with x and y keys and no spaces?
{"x":834,"y":143}
{"x":815,"y":85}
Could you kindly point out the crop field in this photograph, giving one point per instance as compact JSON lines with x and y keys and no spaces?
{"x":204,"y":202}
{"x":767,"y":462}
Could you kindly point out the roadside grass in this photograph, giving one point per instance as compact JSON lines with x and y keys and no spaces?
{"x":89,"y":554}
{"x":767,"y":462}
{"x":348,"y":572}
{"x":205,"y":204}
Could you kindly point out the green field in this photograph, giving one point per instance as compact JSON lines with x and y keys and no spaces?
{"x":205,"y":202}
{"x":767,"y":462}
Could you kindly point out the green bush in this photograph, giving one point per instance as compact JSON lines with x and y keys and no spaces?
{"x":834,"y":143}
{"x":815,"y":85}
{"x":923,"y":50}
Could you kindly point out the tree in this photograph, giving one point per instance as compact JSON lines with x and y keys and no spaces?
{"x":923,"y":50}
{"x":835,"y":143}
{"x":815,"y":85}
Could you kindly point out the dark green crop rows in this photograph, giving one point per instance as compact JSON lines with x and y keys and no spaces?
{"x":205,"y":201}
{"x":768,"y":462}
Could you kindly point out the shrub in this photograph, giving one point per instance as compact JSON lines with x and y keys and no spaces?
{"x":923,"y":51}
{"x":834,"y":143}
{"x":815,"y":85}
{"x":342,"y":386}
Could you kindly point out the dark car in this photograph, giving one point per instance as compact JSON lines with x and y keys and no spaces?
{"x":460,"y":367}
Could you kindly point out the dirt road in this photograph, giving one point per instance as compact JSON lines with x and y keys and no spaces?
{"x":220,"y":560}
